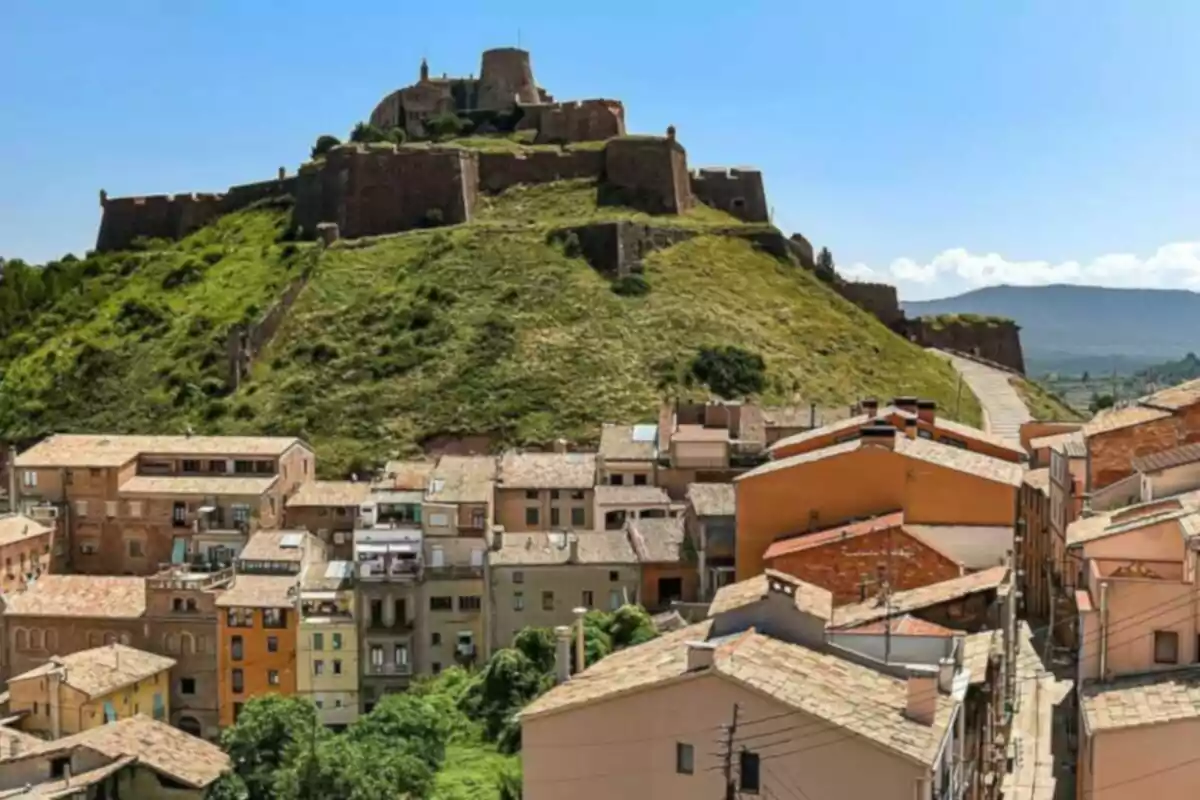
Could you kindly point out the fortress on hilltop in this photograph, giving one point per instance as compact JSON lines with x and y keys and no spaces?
{"x":374,"y":189}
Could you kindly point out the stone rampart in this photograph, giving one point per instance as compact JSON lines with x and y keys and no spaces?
{"x":648,"y":173}
{"x":739,"y":192}
{"x":162,"y":216}
{"x":879,"y":299}
{"x":498,"y":171}
{"x":245,"y":342}
{"x":991,"y":338}
{"x":576,"y":121}
{"x":238,"y":197}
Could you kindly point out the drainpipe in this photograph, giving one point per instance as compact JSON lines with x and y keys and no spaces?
{"x":12,"y":479}
{"x":702,"y":557}
{"x":1104,"y":630}
{"x":55,"y":681}
{"x":580,"y":651}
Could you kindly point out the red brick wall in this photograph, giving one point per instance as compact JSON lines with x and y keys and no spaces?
{"x":841,"y":566}
{"x":1112,"y":451}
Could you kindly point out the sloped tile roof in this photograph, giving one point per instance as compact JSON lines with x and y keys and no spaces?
{"x":330,"y":493}
{"x":1147,"y":699}
{"x":906,"y":625}
{"x":406,"y":475}
{"x":808,"y":541}
{"x":549,"y":548}
{"x":1174,"y":398}
{"x":103,"y":450}
{"x":859,"y":700}
{"x":204,"y":485}
{"x":657,"y":540}
{"x":1071,"y":443}
{"x":86,"y":596}
{"x":1039,"y":478}
{"x":1118,"y":418}
{"x":631,"y":495}
{"x":18,"y":527}
{"x":1166,"y":459}
{"x":809,"y":598}
{"x":102,"y":670}
{"x":547,"y":470}
{"x":617,"y":444}
{"x":270,"y":546}
{"x":462,"y":479}
{"x":850,"y":616}
{"x":712,"y":499}
{"x":260,"y":591}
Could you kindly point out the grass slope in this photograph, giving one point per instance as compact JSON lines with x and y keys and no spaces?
{"x":1044,"y":405}
{"x":480,"y":328}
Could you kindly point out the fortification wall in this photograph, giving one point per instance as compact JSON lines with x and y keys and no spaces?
{"x":156,"y":216}
{"x":740,"y":192}
{"x":506,"y":76}
{"x":992,"y":339}
{"x":879,"y":299}
{"x":498,"y":171}
{"x":245,"y":342}
{"x":578,"y":121}
{"x":238,"y":197}
{"x":648,"y":173}
{"x":373,"y":191}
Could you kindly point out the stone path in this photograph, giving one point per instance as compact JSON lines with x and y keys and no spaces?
{"x":1003,"y":411}
{"x":1038,"y":729}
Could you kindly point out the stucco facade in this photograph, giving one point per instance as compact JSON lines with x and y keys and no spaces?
{"x":257,"y":628}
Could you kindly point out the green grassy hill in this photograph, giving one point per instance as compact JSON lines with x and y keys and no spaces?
{"x":479,"y":328}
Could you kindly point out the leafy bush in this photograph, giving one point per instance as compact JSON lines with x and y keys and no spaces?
{"x":366,"y":133}
{"x":730,"y":372}
{"x":444,"y":126}
{"x":631,"y":286}
{"x":324,"y":144}
{"x":433,"y":218}
{"x":398,"y":135}
{"x":189,"y":271}
{"x":571,"y":246}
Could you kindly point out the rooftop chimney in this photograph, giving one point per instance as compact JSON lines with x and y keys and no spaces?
{"x":560,"y":445}
{"x":562,"y":653}
{"x":905,"y":403}
{"x":700,"y":655}
{"x":945,"y":676}
{"x":922,"y":694}
{"x":910,"y":427}
{"x":869,"y":406}
{"x":879,"y":436}
{"x":927,"y":410}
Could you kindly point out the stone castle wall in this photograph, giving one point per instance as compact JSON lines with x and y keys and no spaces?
{"x":156,"y":216}
{"x":879,"y":299}
{"x":575,"y":121}
{"x":505,"y":74}
{"x":498,"y":171}
{"x":648,"y":173}
{"x":993,"y":339}
{"x":739,"y":192}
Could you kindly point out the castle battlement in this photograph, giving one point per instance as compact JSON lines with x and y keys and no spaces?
{"x":726,"y":173}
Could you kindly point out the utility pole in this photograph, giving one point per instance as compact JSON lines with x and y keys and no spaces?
{"x":730,"y":732}
{"x":958,"y":396}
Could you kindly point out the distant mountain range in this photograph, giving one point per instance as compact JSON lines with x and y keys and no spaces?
{"x":1086,"y":328}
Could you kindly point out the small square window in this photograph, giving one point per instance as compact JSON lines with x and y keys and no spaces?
{"x":531,"y":516}
{"x":531,"y":494}
{"x":685,"y":758}
{"x":518,"y":576}
{"x":588,"y":599}
{"x":273,"y":677}
{"x":1166,"y":647}
{"x":187,"y":685}
{"x":272,"y":644}
{"x":639,"y":479}
{"x":547,"y":601}
{"x":616,"y":480}
{"x":435,"y":638}
{"x":613,"y":576}
{"x":518,"y":601}
{"x":578,"y":517}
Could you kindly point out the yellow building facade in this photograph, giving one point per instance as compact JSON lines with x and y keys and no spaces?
{"x":85,"y":690}
{"x":327,"y":643}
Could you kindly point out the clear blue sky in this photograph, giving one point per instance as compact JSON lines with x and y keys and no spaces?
{"x":940,"y":144}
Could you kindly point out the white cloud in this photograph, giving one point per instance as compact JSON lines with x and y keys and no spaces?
{"x":1175,"y":266}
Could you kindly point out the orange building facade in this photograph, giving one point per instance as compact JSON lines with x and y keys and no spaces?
{"x":257,"y":624}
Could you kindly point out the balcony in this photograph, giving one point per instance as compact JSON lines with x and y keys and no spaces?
{"x":190,"y":576}
{"x":399,"y":670}
{"x":323,"y":607}
{"x":391,"y":569}
{"x":454,"y":572}
{"x":402,"y":627}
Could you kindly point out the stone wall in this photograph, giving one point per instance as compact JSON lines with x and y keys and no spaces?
{"x":498,"y":171}
{"x":877,"y":298}
{"x":740,"y":192}
{"x":162,"y":216}
{"x":377,"y":190}
{"x":648,"y":173}
{"x":996,"y":340}
{"x":506,"y":74}
{"x":245,"y":342}
{"x":238,"y":197}
{"x":576,"y":121}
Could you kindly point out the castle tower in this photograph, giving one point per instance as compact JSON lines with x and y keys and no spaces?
{"x":424,"y":71}
{"x":505,"y":79}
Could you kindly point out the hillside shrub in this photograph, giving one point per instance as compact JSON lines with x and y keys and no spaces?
{"x":189,"y":271}
{"x":324,"y":144}
{"x":631,"y":286}
{"x":445,"y":126}
{"x":366,"y":133}
{"x":730,"y":372}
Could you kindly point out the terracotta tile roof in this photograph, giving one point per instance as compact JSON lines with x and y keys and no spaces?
{"x":855,"y":698}
{"x":88,"y":596}
{"x":1118,"y":418}
{"x":1175,"y":397}
{"x":64,"y":788}
{"x":1130,"y":518}
{"x":971,"y":546}
{"x":810,"y":599}
{"x":906,"y":625}
{"x":279,"y":546}
{"x":18,"y":527}
{"x":75,"y":450}
{"x":943,"y":455}
{"x":712,"y":499}
{"x":977,"y":648}
{"x":23,"y":741}
{"x":165,"y":749}
{"x":462,"y":479}
{"x":547,"y":470}
{"x":1148,"y":699}
{"x":845,"y":424}
{"x":1072,"y":443}
{"x":617,"y":443}
{"x":549,"y":549}
{"x":246,"y":485}
{"x":102,"y":670}
{"x":631,"y":495}
{"x":808,"y":541}
{"x":699,"y":433}
{"x":1165,"y":459}
{"x":330,"y":493}
{"x":411,"y":475}
{"x":260,"y":591}
{"x":914,"y":599}
{"x":896,"y":417}
{"x":657,"y":540}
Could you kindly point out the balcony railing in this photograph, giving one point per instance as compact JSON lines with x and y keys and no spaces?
{"x":389,"y":669}
{"x":197,"y":575}
{"x":397,"y":570}
{"x":403,"y":627}
{"x":454,"y":572}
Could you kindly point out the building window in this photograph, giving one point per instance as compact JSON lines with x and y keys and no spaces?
{"x":190,"y":606}
{"x":275,"y":617}
{"x":435,"y":639}
{"x":238,"y":684}
{"x":135,"y":508}
{"x":110,"y":508}
{"x":748,"y":780}
{"x":531,"y":494}
{"x":518,"y":601}
{"x":318,"y":667}
{"x":273,"y":677}
{"x":191,"y":465}
{"x":614,"y":599}
{"x":337,"y":641}
{"x":240,"y":618}
{"x":613,"y":576}
{"x":337,"y":666}
{"x":135,"y":548}
{"x":235,"y":648}
{"x":616,"y":480}
{"x":577,"y":494}
{"x":400,"y":655}
{"x":1166,"y":647}
{"x":531,"y":516}
{"x":216,"y":467}
{"x":469,"y":602}
{"x":578,"y":517}
{"x":376,"y":655}
{"x":588,"y":599}
{"x":318,"y":641}
{"x":518,"y":576}
{"x":29,"y":479}
{"x":441,"y":604}
{"x":272,"y":644}
{"x":187,"y":685}
{"x":685,"y":758}
{"x":177,"y":604}
{"x":179,"y":515}
{"x":554,"y":520}
{"x":547,"y":601}
{"x":639,"y":479}
{"x":87,"y":548}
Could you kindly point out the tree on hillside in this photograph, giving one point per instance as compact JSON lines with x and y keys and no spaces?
{"x":825,"y":260}
{"x":1100,"y":402}
{"x":444,"y":126}
{"x":325,"y":142}
{"x":730,"y":372}
{"x":366,"y":133}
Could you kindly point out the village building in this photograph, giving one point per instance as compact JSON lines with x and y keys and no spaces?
{"x":327,"y":643}
{"x":256,"y":639}
{"x":330,"y":510}
{"x":710,"y":517}
{"x":628,"y":455}
{"x":26,"y":550}
{"x":667,"y":559}
{"x":546,"y":491}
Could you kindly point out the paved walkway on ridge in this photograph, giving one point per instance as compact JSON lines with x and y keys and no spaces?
{"x":1003,"y":411}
